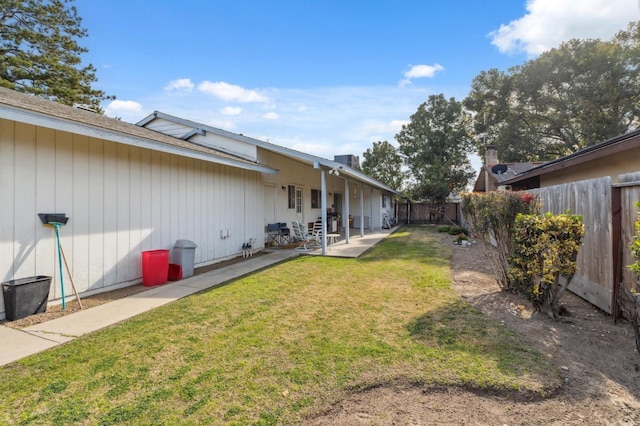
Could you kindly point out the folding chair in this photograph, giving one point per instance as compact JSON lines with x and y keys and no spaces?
{"x":285,"y":234}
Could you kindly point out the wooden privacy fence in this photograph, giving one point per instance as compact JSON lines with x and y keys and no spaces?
{"x":609,"y":214}
{"x":427,"y":213}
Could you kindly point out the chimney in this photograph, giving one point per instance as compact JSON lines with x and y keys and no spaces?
{"x":490,"y":160}
{"x":490,"y":157}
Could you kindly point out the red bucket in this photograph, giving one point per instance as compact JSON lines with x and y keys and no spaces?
{"x":155,"y":267}
{"x":175,"y":272}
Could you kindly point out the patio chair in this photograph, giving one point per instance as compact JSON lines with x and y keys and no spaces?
{"x":307,"y":241}
{"x":285,"y":234}
{"x":317,"y":230}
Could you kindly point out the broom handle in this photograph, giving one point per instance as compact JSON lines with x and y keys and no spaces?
{"x":57,"y":228}
{"x":70,"y":277}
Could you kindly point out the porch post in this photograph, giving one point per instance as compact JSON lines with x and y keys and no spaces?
{"x":345,"y":213}
{"x":371,"y":227}
{"x":323,"y":208}
{"x":361,"y":210}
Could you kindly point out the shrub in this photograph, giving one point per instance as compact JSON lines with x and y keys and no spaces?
{"x":443,"y":228}
{"x":460,"y":238}
{"x":543,"y":260}
{"x":490,"y":218}
{"x":457,"y":230}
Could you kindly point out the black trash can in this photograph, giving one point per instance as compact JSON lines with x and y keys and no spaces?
{"x":25,"y":296}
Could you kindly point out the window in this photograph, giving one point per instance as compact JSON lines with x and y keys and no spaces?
{"x":315,"y":198}
{"x":384,"y":201}
{"x":298,"y":200}
{"x":291,"y":196}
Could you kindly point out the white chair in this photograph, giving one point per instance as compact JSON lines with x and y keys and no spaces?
{"x":307,"y":241}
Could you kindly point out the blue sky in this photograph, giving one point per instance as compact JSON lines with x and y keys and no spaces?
{"x":324,"y":77}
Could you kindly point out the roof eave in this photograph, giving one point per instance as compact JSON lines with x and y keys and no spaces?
{"x":43,"y":120}
{"x":301,"y":156}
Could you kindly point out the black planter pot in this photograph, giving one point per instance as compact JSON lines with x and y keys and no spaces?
{"x":25,"y":296}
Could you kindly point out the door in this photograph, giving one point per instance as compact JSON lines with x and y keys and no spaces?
{"x":337,"y":207}
{"x":299,"y":209}
{"x":269,"y":195}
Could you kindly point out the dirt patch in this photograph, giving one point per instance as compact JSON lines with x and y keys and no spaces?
{"x":56,"y":311}
{"x":596,"y":358}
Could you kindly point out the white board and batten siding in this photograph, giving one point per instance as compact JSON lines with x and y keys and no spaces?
{"x":590,"y":198}
{"x":120,"y":200}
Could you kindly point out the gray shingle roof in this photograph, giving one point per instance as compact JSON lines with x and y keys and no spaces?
{"x":110,"y":128}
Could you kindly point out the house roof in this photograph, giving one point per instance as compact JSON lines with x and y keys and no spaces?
{"x":616,"y":144}
{"x":312,"y":160}
{"x":30,"y":109}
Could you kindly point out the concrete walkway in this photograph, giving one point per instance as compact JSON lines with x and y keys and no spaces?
{"x":20,"y":343}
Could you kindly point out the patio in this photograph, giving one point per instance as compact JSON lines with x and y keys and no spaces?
{"x":355,"y":248}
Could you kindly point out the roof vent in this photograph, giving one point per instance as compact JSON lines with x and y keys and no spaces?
{"x":85,"y":108}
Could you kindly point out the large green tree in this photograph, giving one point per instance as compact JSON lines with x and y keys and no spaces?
{"x":571,"y":97}
{"x":40,"y":54}
{"x":384,"y":163}
{"x":435,"y":146}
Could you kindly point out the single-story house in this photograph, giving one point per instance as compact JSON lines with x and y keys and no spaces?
{"x":131,"y":188}
{"x":601,"y":183}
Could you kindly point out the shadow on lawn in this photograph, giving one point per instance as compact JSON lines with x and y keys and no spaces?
{"x":474,"y":344}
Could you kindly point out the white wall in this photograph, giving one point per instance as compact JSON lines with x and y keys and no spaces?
{"x":301,"y":175}
{"x":121,"y":201}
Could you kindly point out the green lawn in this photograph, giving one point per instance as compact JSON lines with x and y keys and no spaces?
{"x":280,"y":345}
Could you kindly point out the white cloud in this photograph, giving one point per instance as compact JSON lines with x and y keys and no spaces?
{"x":271,"y":116}
{"x":220,"y":124}
{"x":117,"y":108}
{"x":230,"y":92}
{"x":387,"y":127}
{"x":182,"y":85}
{"x":420,"y":71}
{"x":396,"y":125}
{"x":334,"y":120}
{"x":548,"y":23}
{"x":231,"y":110}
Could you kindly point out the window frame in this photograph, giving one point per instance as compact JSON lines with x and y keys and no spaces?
{"x":316,"y":198}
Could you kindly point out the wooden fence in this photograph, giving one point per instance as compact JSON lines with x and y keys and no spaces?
{"x":427,"y":213}
{"x":609,"y":215}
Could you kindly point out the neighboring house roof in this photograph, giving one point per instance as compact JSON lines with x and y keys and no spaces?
{"x":309,"y":159}
{"x":618,"y":144}
{"x":499,"y":179}
{"x":30,"y":109}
